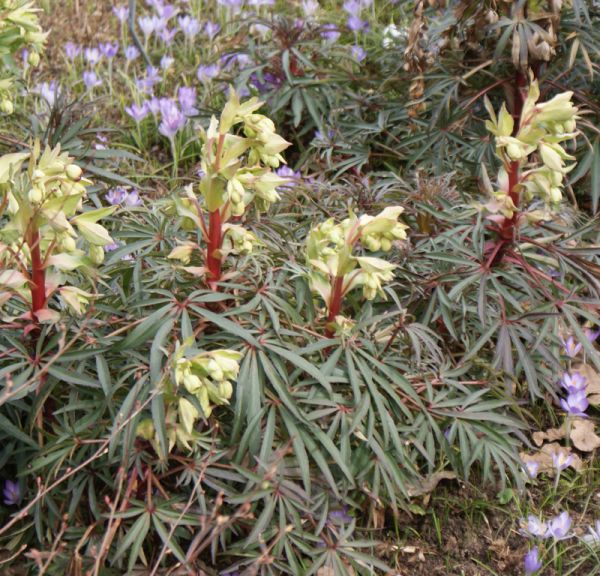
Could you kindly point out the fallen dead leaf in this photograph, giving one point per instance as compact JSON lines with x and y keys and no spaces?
{"x":583,"y":435}
{"x":544,"y":458}
{"x":430,"y":483}
{"x":593,"y":382}
{"x":551,"y":435}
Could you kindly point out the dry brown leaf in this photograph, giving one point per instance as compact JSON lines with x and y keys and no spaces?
{"x":429,"y":484}
{"x":583,"y":435}
{"x":552,"y":434}
{"x":544,"y":458}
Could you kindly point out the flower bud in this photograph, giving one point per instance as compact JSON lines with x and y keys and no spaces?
{"x":6,"y":106}
{"x":33,"y":59}
{"x":74,"y":172}
{"x":35,"y":195}
{"x":96,"y":254}
{"x":145,"y":429}
{"x":386,"y":244}
{"x":68,"y":244}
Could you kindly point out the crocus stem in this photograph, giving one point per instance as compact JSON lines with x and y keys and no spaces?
{"x":335,"y":303}
{"x":175,"y":159}
{"x":213,"y":257}
{"x":38,"y":275}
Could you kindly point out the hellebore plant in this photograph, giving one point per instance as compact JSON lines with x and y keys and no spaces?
{"x":540,"y":128}
{"x":207,"y":377}
{"x":237,"y":171}
{"x":335,"y":271}
{"x":47,"y":233}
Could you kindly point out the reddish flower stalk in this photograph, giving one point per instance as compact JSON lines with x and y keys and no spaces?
{"x":335,"y":304}
{"x":215,"y":240}
{"x":38,"y":275}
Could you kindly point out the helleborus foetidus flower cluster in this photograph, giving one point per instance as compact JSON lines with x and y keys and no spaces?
{"x":198,"y":382}
{"x":47,"y":232}
{"x":542,"y":128}
{"x":19,"y":29}
{"x":335,"y":270}
{"x":237,"y":171}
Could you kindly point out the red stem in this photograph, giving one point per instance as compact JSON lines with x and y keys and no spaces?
{"x":38,"y":275}
{"x":335,"y":304}
{"x":215,"y":239}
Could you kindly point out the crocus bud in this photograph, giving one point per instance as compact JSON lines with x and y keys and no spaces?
{"x":74,"y":172}
{"x":96,"y":254}
{"x":33,"y":59}
{"x":6,"y":106}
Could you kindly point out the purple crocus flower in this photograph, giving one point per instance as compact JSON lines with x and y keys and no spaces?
{"x":92,"y":56}
{"x":186,"y":96}
{"x":91,"y":80}
{"x":292,"y":176}
{"x":355,"y":24}
{"x":147,"y":83}
{"x":234,"y":5}
{"x":147,"y":25}
{"x":358,"y":53}
{"x":108,"y":49}
{"x":593,"y":538}
{"x":576,"y":403}
{"x":571,"y":346}
{"x":559,"y":526}
{"x":330,"y":32}
{"x":166,"y":11}
{"x":189,"y":26}
{"x":340,"y":516}
{"x":115,"y":195}
{"x":138,"y":113}
{"x":531,"y":468}
{"x":121,"y":12}
{"x":535,"y":527}
{"x":166,"y":62}
{"x":132,"y":199}
{"x":111,"y":247}
{"x":72,"y":50}
{"x":211,"y":29}
{"x":48,"y":91}
{"x":131,"y":53}
{"x":574,"y":382}
{"x":11,"y":493}
{"x":167,"y":35}
{"x":101,"y":143}
{"x":562,"y":460}
{"x":352,"y":7}
{"x":172,"y":121}
{"x":591,"y":335}
{"x":310,"y":7}
{"x":532,"y":561}
{"x":206,"y":72}
{"x":154,"y":105}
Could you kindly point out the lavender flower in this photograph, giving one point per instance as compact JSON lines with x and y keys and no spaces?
{"x":559,"y":526}
{"x":352,"y":7}
{"x":111,"y":247}
{"x":131,"y":53}
{"x":355,"y":24}
{"x":115,"y":195}
{"x":11,"y":493}
{"x":48,"y":91}
{"x":211,"y":29}
{"x":593,"y":538}
{"x":340,"y":516}
{"x":309,"y":7}
{"x":286,"y":172}
{"x":132,"y":199}
{"x":535,"y":527}
{"x":121,"y":12}
{"x":358,"y":53}
{"x":187,"y":100}
{"x":165,"y":11}
{"x":92,"y":56}
{"x":108,"y":49}
{"x":330,"y":32}
{"x":72,"y":50}
{"x":234,"y":5}
{"x":562,"y":460}
{"x":531,"y":468}
{"x":571,"y":347}
{"x":206,"y":72}
{"x":532,"y":561}
{"x":102,"y":141}
{"x":576,"y":403}
{"x":189,"y":26}
{"x":574,"y":382}
{"x":591,"y":335}
{"x":172,"y":120}
{"x":147,"y":26}
{"x":167,"y":35}
{"x":166,"y":62}
{"x":147,"y":83}
{"x":154,"y":105}
{"x":91,"y":80}
{"x":138,"y":113}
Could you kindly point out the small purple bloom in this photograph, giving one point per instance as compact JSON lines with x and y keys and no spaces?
{"x":310,"y":7}
{"x":559,"y":526}
{"x":154,"y":105}
{"x":132,"y":199}
{"x":131,"y":53}
{"x":593,"y":538}
{"x":72,"y":50}
{"x":108,"y":49}
{"x":211,"y":29}
{"x":352,"y":7}
{"x":92,"y":56}
{"x":189,"y":26}
{"x":562,"y":460}
{"x":292,"y":176}
{"x":576,"y":403}
{"x":167,"y":35}
{"x":574,"y":382}
{"x":232,"y":4}
{"x":591,"y":335}
{"x":206,"y":72}
{"x":570,"y":346}
{"x":111,"y":247}
{"x":48,"y":91}
{"x":11,"y":493}
{"x":358,"y":53}
{"x":166,"y":62}
{"x":115,"y":195}
{"x":532,"y":562}
{"x":147,"y":83}
{"x":340,"y":516}
{"x":138,"y":113}
{"x":355,"y":24}
{"x":535,"y":527}
{"x":172,"y":121}
{"x":531,"y":468}
{"x":91,"y":80}
{"x":186,"y":96}
{"x":101,"y":143}
{"x":147,"y":25}
{"x":121,"y":12}
{"x":165,"y":11}
{"x":330,"y":32}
